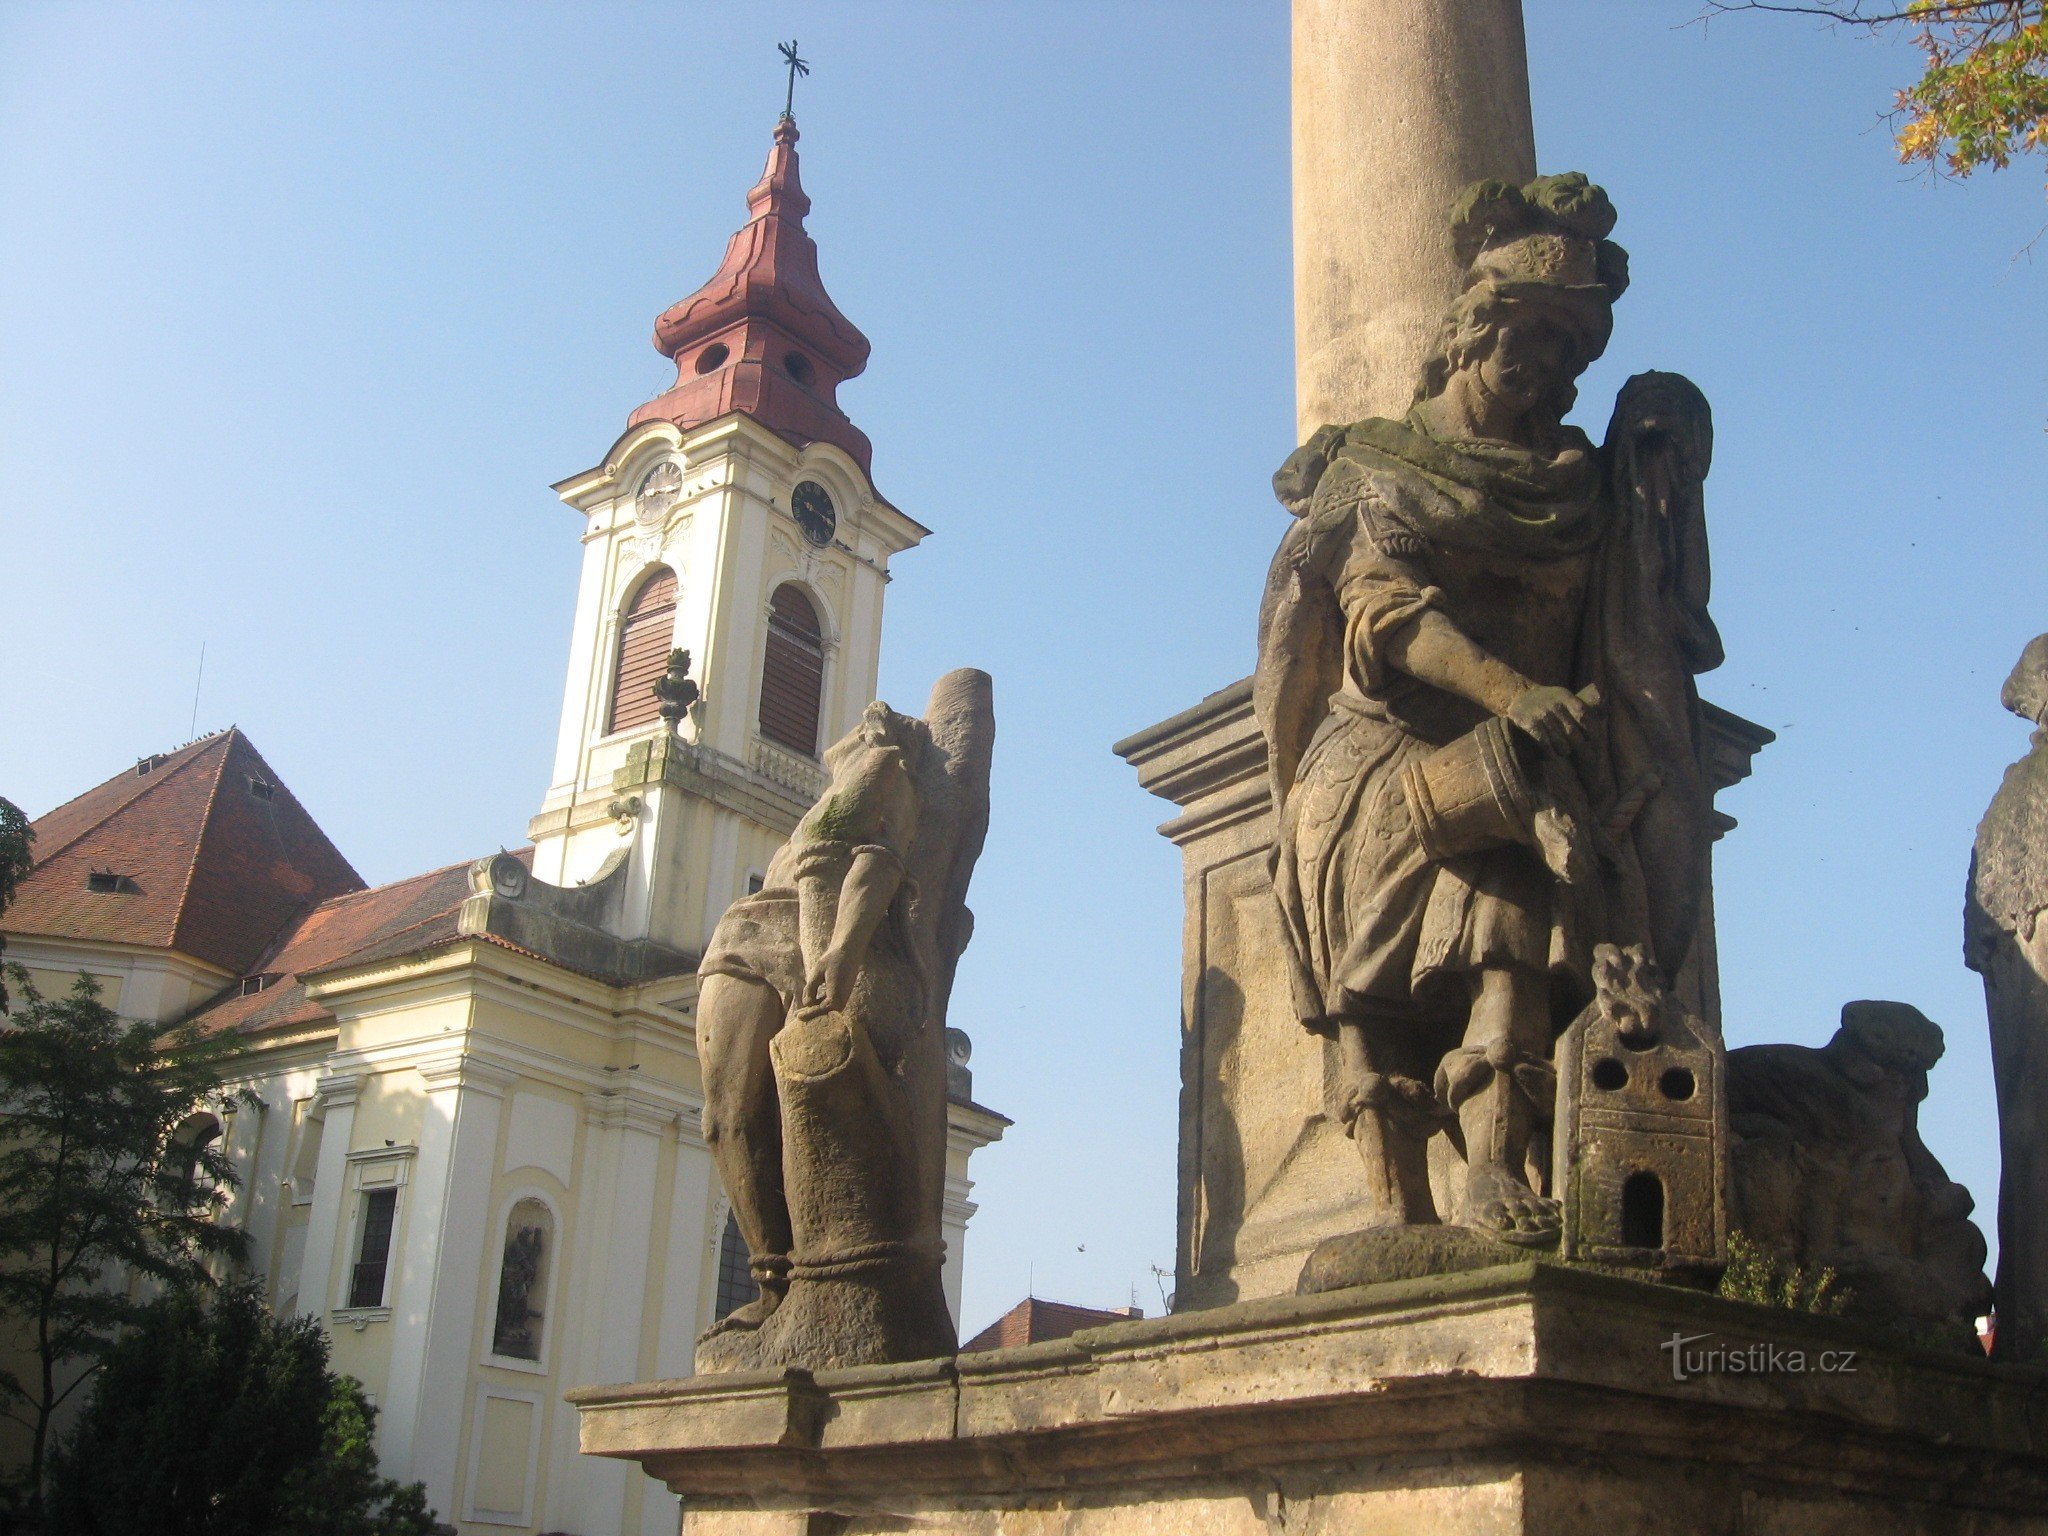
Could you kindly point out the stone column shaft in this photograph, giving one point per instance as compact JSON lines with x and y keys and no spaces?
{"x":1398,"y":105}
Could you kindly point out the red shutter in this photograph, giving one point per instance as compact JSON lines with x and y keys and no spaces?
{"x":645,"y":639}
{"x":793,"y":672}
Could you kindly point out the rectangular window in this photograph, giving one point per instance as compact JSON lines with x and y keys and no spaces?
{"x":373,"y":1248}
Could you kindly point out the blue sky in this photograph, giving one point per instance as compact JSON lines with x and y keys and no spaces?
{"x":303,"y":307}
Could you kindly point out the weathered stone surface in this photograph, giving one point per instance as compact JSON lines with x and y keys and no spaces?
{"x":1641,"y":1139}
{"x":1477,"y":646}
{"x":1829,"y":1171}
{"x":821,"y":1024}
{"x":1534,"y":1398}
{"x":2005,"y":941}
{"x":1398,"y":105}
{"x":1380,"y":1254}
{"x":573,"y":926}
{"x":1265,"y":1170}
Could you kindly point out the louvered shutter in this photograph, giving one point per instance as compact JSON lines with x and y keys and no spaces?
{"x":645,"y":639}
{"x":793,"y":672}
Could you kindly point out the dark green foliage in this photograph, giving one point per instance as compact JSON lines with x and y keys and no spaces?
{"x":1756,"y":1275}
{"x":97,"y":1191}
{"x":15,"y":837}
{"x":212,"y":1417}
{"x":341,"y":1494}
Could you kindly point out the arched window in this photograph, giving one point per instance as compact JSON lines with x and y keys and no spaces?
{"x":735,"y":1281}
{"x":194,"y":1145}
{"x":793,"y":672}
{"x":646,"y":634}
{"x":523,"y":1281}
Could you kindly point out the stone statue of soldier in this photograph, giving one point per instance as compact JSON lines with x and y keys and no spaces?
{"x":1477,"y":649}
{"x":2005,"y":940}
{"x":821,"y":1030}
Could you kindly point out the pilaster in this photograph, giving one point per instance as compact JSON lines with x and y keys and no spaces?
{"x":440,"y":1273}
{"x":335,"y":1094}
{"x":689,"y":1230}
{"x":625,"y":1128}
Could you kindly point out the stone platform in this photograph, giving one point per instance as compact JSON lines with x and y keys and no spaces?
{"x":1523,"y":1399}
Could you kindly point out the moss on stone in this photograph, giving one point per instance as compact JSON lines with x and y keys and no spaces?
{"x":1765,"y":1279}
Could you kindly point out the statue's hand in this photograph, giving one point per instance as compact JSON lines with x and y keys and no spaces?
{"x":1554,"y":718}
{"x":831,"y":983}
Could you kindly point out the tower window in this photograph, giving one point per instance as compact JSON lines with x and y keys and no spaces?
{"x":645,"y":637}
{"x":798,"y":367}
{"x":712,"y":357}
{"x":736,"y":1285}
{"x":792,"y":672}
{"x":373,"y":1248}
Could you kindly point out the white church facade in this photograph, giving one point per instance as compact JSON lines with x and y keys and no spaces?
{"x":473,"y":1147}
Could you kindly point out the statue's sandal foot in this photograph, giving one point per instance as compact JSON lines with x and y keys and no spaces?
{"x":1510,"y":1211}
{"x":747,"y":1318}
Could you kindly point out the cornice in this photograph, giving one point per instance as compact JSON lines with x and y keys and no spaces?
{"x":972,"y":1126}
{"x":461,"y":963}
{"x":604,"y":476}
{"x":338,"y":1090}
{"x":959,"y":1210}
{"x":632,"y":1107}
{"x":22,"y":946}
{"x":466,"y":1071}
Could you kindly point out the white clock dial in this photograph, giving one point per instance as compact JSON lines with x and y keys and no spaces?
{"x":659,"y":491}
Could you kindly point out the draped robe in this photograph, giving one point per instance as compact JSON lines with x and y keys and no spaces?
{"x":1571,"y":564}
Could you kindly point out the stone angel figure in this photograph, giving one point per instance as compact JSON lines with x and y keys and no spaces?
{"x":821,"y":1025}
{"x":1477,"y":649}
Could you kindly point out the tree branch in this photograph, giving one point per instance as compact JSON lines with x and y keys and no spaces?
{"x":1854,"y":14}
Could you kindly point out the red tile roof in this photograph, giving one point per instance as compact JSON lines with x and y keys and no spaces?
{"x":1032,"y":1321}
{"x":210,"y":867}
{"x":763,"y":336}
{"x":403,"y":918}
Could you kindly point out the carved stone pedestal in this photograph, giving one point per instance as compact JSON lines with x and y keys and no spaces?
{"x":1523,"y":1399}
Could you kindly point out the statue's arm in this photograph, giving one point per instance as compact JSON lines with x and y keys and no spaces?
{"x":1431,"y":648}
{"x":889,"y":814}
{"x":872,"y":881}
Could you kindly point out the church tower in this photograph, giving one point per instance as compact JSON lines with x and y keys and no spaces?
{"x":471,"y":1143}
{"x":734,"y":520}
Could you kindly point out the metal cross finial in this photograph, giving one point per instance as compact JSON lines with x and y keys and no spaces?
{"x":796,"y":67}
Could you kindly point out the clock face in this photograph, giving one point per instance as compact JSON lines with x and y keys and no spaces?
{"x":658,"y":492}
{"x":814,"y":513}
